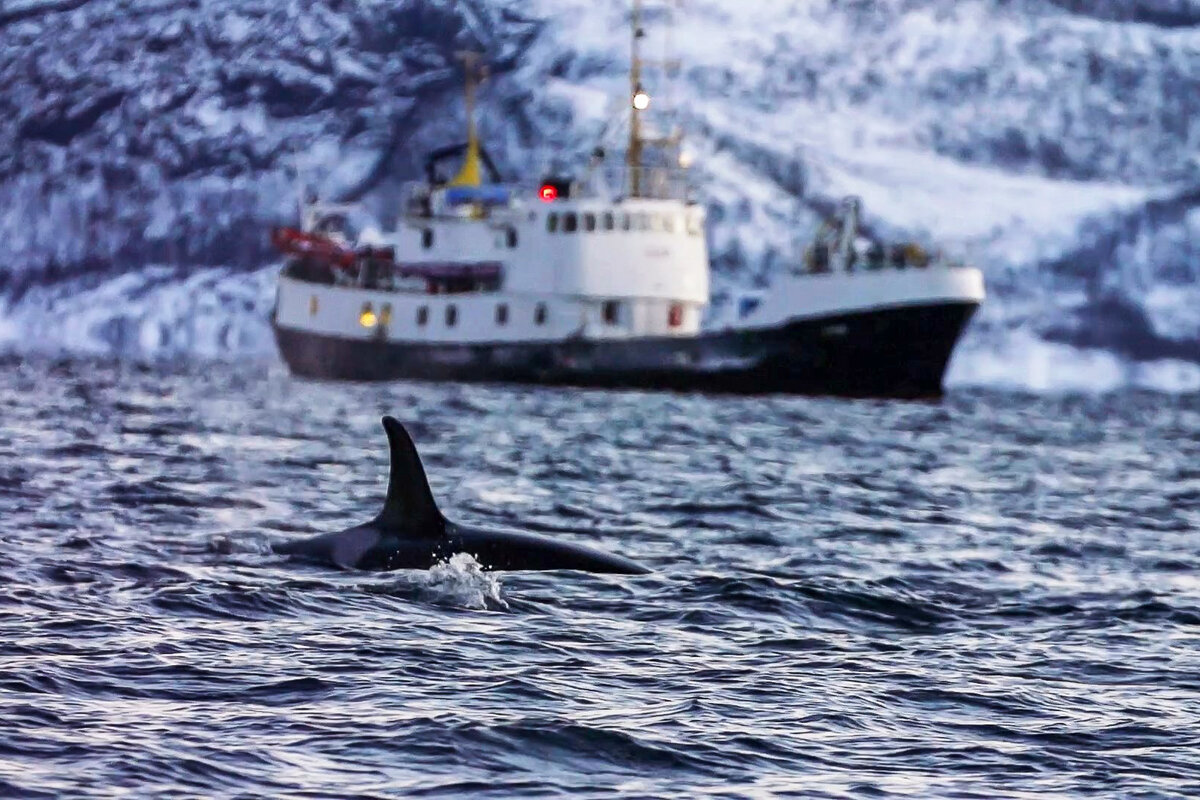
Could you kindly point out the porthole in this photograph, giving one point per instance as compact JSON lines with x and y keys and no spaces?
{"x":451,"y":315}
{"x":539,"y":314}
{"x":611,"y":311}
{"x":422,"y":316}
{"x":426,"y":238}
{"x":502,"y":314}
{"x":589,"y":222}
{"x":570,"y":223}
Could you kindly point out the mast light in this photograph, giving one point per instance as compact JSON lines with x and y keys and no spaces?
{"x":641,"y":99}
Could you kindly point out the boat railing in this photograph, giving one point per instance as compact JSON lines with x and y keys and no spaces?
{"x":653,"y":183}
{"x":421,"y":201}
{"x":820,"y":259}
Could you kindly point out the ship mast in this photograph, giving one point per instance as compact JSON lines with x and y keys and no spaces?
{"x":639,"y":101}
{"x":470,"y":174}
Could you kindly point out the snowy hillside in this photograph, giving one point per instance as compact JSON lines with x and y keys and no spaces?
{"x":144,"y":149}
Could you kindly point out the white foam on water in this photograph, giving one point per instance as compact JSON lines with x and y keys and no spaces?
{"x":461,"y":581}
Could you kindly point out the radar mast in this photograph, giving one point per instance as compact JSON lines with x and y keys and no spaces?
{"x":639,"y":103}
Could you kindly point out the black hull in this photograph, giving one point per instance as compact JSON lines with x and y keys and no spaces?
{"x":892,"y":352}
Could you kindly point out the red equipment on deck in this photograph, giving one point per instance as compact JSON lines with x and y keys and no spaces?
{"x":292,"y":242}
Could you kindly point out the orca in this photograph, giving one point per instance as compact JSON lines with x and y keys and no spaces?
{"x":411,"y":533}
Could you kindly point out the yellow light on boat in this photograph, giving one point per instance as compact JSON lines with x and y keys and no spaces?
{"x":367,"y":318}
{"x":641,"y":100}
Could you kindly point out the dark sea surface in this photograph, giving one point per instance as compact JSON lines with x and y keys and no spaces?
{"x":994,"y":596}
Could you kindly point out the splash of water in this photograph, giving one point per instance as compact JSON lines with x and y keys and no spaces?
{"x":461,"y":581}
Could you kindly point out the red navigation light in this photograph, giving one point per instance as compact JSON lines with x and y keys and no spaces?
{"x":548,"y":193}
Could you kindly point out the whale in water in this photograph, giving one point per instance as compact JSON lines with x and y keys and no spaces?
{"x":411,"y":533}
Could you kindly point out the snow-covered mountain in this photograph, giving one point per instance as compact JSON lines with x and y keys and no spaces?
{"x":146,"y":146}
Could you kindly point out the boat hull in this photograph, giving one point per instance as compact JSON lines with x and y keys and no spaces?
{"x":897,"y":351}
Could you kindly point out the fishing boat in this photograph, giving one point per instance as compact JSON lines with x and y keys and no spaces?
{"x":602,"y":280}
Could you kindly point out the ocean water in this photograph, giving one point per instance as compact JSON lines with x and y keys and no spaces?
{"x":995,"y":595}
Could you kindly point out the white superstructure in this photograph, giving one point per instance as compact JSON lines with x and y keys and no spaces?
{"x":585,"y":267}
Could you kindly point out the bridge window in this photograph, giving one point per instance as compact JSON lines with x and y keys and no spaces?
{"x":589,"y":222}
{"x":502,"y":314}
{"x":551,"y":223}
{"x":422,"y":316}
{"x":570,"y":223}
{"x":609,"y":223}
{"x":539,"y":314}
{"x":451,"y":315}
{"x":612,"y":312}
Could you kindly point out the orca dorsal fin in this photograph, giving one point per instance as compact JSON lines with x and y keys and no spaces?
{"x":409,"y":502}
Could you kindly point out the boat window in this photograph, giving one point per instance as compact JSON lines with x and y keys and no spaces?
{"x":612,"y":312}
{"x":502,"y":314}
{"x":625,"y":223}
{"x":656,"y":222}
{"x":669,"y":223}
{"x":641,"y":222}
{"x":426,"y":238}
{"x":608,"y":221}
{"x":510,"y":237}
{"x":385,"y":314}
{"x":312,"y":306}
{"x":570,"y":223}
{"x":539,"y":314}
{"x":451,"y":315}
{"x":589,"y":222}
{"x":693,"y":226}
{"x":422,"y":315}
{"x":551,"y":223}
